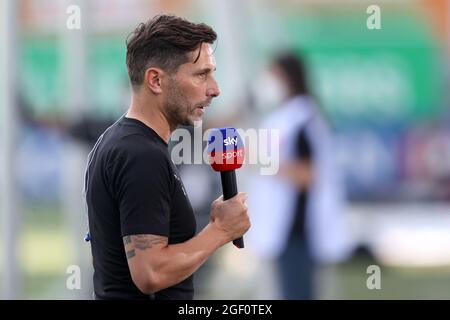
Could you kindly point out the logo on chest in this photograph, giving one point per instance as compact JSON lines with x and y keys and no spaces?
{"x":181,"y":183}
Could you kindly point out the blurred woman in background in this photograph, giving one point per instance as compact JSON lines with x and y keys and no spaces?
{"x":296,"y":213}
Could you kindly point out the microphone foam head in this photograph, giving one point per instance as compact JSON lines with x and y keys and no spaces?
{"x":225,"y":149}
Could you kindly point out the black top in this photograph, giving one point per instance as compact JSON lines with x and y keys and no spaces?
{"x":303,"y":151}
{"x":133,"y":187}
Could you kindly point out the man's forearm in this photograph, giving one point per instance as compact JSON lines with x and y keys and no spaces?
{"x":174,"y":263}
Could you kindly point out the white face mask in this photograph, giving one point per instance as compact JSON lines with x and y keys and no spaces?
{"x":269,"y":91}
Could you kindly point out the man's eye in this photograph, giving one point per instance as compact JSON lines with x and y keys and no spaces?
{"x":203,"y":75}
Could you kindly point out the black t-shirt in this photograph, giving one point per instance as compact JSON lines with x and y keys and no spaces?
{"x":302,"y":151}
{"x":133,"y":187}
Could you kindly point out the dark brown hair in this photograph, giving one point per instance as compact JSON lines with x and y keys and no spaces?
{"x":164,"y":42}
{"x":294,"y":69}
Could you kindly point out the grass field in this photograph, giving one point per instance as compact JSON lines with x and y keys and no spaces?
{"x":45,"y":250}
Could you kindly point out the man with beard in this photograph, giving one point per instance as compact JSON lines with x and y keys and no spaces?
{"x":141,"y":223}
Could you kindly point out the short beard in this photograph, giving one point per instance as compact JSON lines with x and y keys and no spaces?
{"x":176,"y":104}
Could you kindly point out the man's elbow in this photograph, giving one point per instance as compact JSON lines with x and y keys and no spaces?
{"x":147,"y":283}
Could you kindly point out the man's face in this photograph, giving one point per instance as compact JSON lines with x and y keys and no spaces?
{"x":191,"y":89}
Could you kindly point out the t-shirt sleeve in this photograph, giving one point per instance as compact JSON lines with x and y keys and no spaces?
{"x":142,"y":181}
{"x":303,"y":150}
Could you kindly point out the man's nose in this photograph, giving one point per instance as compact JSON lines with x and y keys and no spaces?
{"x":213,"y":91}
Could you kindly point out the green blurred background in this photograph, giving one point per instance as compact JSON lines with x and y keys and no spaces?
{"x":384,"y":91}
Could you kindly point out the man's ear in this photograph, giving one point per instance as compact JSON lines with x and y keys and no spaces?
{"x":152,"y":79}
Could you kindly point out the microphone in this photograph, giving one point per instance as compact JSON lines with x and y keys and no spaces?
{"x":226,"y":154}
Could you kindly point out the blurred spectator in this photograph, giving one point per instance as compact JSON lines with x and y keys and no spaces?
{"x":296,"y":214}
{"x":87,"y":129}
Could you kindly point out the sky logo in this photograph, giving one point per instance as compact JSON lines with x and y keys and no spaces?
{"x":228,"y":141}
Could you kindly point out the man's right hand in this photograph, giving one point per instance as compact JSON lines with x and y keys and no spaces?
{"x":231,"y":215}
